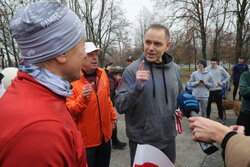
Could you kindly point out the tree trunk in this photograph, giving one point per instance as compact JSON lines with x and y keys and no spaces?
{"x":241,"y":15}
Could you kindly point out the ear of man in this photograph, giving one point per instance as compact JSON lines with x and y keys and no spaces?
{"x":62,"y":59}
{"x":167,"y":46}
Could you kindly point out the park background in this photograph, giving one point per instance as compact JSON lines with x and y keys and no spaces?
{"x":200,"y":29}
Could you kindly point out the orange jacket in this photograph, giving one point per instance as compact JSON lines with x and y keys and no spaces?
{"x":94,"y":115}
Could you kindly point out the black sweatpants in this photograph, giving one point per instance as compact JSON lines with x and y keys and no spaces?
{"x":236,"y":85}
{"x":99,"y":156}
{"x":244,"y":120}
{"x":215,"y":96}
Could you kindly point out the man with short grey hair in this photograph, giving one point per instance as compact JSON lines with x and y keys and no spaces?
{"x":148,"y":95}
{"x":37,"y":129}
{"x":94,"y":112}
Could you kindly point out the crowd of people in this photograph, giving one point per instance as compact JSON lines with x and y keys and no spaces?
{"x":62,"y":110}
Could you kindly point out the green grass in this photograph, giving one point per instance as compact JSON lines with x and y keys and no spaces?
{"x":185,"y":74}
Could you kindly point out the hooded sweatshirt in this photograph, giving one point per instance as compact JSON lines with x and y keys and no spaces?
{"x":149,"y":111}
{"x":201,"y":91}
{"x":218,"y":74}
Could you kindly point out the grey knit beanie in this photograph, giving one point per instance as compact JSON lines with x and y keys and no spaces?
{"x":45,"y":30}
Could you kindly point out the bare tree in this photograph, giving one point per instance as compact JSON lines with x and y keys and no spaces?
{"x":10,"y":50}
{"x":219,"y":13}
{"x":143,"y":20}
{"x":242,"y":28}
{"x":199,"y":11}
{"x":104,"y":20}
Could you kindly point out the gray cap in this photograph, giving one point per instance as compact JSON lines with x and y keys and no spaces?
{"x":45,"y":30}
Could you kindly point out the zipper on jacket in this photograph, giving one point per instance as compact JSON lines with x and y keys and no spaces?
{"x":98,"y":105}
{"x":100,"y":119}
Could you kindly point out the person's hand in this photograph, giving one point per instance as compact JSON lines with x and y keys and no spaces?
{"x":142,"y":76}
{"x":207,"y":130}
{"x":237,"y":128}
{"x":220,"y":83}
{"x":204,"y":83}
{"x":114,"y":124}
{"x":86,"y":91}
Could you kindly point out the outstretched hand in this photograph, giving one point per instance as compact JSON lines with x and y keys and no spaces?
{"x":207,"y":130}
{"x":142,"y":76}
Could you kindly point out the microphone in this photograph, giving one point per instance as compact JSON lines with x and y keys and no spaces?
{"x":189,"y":106}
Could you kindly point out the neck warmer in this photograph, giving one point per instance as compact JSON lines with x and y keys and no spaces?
{"x":52,"y":81}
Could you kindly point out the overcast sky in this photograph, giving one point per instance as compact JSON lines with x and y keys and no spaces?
{"x":133,"y":7}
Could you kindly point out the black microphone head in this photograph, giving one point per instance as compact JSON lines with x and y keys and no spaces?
{"x":187,"y":103}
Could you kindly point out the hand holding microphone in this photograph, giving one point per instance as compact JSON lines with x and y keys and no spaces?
{"x":189,"y":106}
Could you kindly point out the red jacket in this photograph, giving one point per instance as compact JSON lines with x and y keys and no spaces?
{"x":95,"y":114}
{"x":36,"y":127}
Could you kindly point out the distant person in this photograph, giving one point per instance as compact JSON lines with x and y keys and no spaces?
{"x":238,"y":69}
{"x":148,"y":95}
{"x":215,"y":94}
{"x":130,"y":60}
{"x":235,"y":145}
{"x":36,"y":127}
{"x":201,"y":81}
{"x":116,"y":143}
{"x":93,"y":110}
{"x":8,"y":74}
{"x":244,"y":118}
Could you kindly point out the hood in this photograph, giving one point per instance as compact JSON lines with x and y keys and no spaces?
{"x":202,"y":72}
{"x":168,"y":60}
{"x":166,"y":63}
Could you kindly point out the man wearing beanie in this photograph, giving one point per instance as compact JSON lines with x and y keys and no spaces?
{"x":37,"y":129}
{"x":218,"y":74}
{"x":201,"y":81}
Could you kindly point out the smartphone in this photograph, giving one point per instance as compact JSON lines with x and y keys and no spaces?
{"x":201,"y":80}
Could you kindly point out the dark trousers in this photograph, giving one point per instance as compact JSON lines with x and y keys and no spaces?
{"x":215,"y":96}
{"x":244,"y":120}
{"x":99,"y":156}
{"x":236,"y":85}
{"x":169,"y":151}
{"x":114,"y":136}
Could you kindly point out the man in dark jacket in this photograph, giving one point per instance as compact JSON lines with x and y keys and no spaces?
{"x":116,"y":143}
{"x":148,"y":95}
{"x":130,"y":60}
{"x":238,"y":69}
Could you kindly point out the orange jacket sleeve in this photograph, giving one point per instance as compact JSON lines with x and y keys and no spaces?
{"x":77,"y":104}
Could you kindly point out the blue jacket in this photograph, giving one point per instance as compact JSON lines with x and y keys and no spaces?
{"x":238,"y":69}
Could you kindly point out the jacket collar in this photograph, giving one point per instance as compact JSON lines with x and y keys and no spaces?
{"x":98,"y":73}
{"x":168,"y":58}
